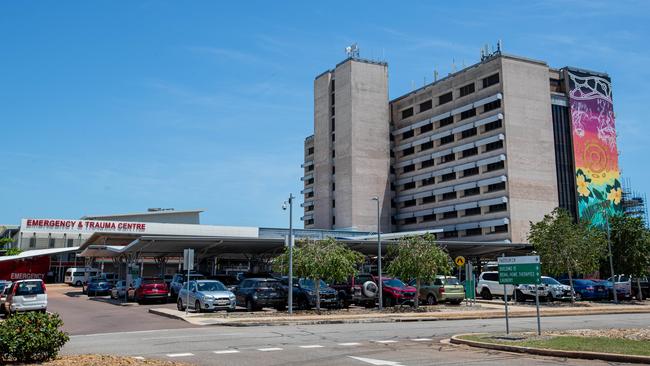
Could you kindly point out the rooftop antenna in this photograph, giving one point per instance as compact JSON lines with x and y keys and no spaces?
{"x":424,"y":80}
{"x":435,"y":74}
{"x":412,"y":84}
{"x":499,"y":46}
{"x":352,"y":50}
{"x":453,"y":64}
{"x":463,"y":63}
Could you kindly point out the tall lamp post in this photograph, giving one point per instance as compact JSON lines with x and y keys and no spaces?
{"x":381,"y":304}
{"x":284,"y":207}
{"x":611,"y":260}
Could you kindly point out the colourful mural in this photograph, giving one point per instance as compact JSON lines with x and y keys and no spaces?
{"x":594,"y":146}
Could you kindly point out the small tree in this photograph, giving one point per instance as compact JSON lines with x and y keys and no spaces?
{"x":565,"y":246}
{"x":321,"y":260}
{"x":419,"y":258}
{"x":5,"y":243}
{"x":630,"y":247}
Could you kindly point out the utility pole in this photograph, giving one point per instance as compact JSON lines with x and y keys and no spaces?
{"x":381,"y":304}
{"x":611,"y":259}
{"x":290,"y":294}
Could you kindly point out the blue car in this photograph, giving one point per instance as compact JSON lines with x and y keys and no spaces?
{"x":99,"y":286}
{"x":587,"y":289}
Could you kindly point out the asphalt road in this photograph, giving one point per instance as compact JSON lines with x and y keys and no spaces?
{"x":393,"y":344}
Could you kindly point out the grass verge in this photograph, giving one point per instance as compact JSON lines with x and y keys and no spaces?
{"x":574,"y":343}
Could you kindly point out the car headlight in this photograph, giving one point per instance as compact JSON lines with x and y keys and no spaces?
{"x":232,"y":296}
{"x":208,"y":297}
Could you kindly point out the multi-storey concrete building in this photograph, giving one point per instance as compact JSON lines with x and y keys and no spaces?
{"x":479,"y":154}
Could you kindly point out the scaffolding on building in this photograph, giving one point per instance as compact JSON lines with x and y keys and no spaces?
{"x":634,"y":202}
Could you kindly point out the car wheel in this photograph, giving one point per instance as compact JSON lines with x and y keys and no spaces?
{"x":578,"y":296}
{"x":486,"y":294}
{"x":197,"y":307}
{"x":456,"y":302}
{"x":389,"y":302}
{"x":431,"y":300}
{"x":520,"y":296}
{"x":249,"y":305}
{"x":179,"y":305}
{"x":550,"y":298}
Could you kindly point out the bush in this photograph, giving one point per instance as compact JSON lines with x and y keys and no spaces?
{"x":31,"y":337}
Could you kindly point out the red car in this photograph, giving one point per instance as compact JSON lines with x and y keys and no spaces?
{"x":150,"y":288}
{"x":395,"y":292}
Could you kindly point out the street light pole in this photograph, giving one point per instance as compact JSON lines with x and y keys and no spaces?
{"x":611,"y":260}
{"x":381,"y":304}
{"x":290,"y":289}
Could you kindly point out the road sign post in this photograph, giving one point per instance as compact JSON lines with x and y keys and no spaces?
{"x":517,"y":271}
{"x":188,"y":262}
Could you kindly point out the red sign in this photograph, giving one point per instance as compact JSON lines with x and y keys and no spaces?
{"x":24,"y":269}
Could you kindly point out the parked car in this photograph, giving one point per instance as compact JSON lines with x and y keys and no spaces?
{"x":99,"y":286}
{"x":84,"y":285}
{"x":556,"y":290}
{"x":396,"y":292}
{"x":441,"y":289}
{"x":304,"y":294}
{"x":360,"y":290}
{"x":488,"y":286}
{"x":623,"y":286}
{"x":206,"y":295}
{"x":168,"y":279}
{"x":587,"y":289}
{"x":119,"y":291}
{"x":178,"y":281}
{"x":4,"y":288}
{"x":26,"y":295}
{"x":76,"y":276}
{"x":528,"y":292}
{"x":228,"y":280}
{"x":645,"y":287}
{"x":256,"y":293}
{"x":109,"y":276}
{"x":150,"y":288}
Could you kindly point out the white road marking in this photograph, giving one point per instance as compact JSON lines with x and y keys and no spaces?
{"x":270,"y":349}
{"x":350,"y":344}
{"x":421,"y":339}
{"x":387,"y":341}
{"x":226,"y":351}
{"x":138,"y":357}
{"x":312,"y":346}
{"x":180,"y":354}
{"x":373,"y":361}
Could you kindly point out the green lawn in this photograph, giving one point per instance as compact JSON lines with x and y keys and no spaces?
{"x":574,"y":343}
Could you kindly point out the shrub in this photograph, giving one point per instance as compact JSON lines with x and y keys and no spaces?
{"x":31,"y":337}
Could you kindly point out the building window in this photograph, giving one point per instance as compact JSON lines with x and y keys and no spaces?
{"x":333,"y":169}
{"x":408,"y":112}
{"x":470,"y":152}
{"x":333,"y":99}
{"x":426,"y":146}
{"x":32,"y":242}
{"x":428,"y":181}
{"x":309,"y":222}
{"x":408,"y":134}
{"x":499,"y":229}
{"x":409,"y":203}
{"x":333,"y":111}
{"x":467,"y":89}
{"x":493,"y":125}
{"x":495,"y":166}
{"x":471,"y":191}
{"x":310,"y":168}
{"x":448,"y":196}
{"x":498,"y":208}
{"x":408,"y":151}
{"x":310,"y":181}
{"x":447,"y":158}
{"x":70,"y":243}
{"x":333,"y":124}
{"x":490,"y":80}
{"x":410,"y":220}
{"x":333,"y":186}
{"x":467,"y":114}
{"x":492,"y":105}
{"x":333,"y":137}
{"x":497,"y":187}
{"x":469,"y":172}
{"x":450,"y":215}
{"x":409,"y":185}
{"x":408,"y":168}
{"x":447,"y":140}
{"x":333,"y":203}
{"x":450,"y":234}
{"x":310,"y":195}
{"x":333,"y":220}
{"x":428,"y":199}
{"x":473,"y":211}
{"x":469,"y":133}
{"x":447,"y":177}
{"x":309,"y":208}
{"x":447,"y":121}
{"x":332,"y":84}
{"x":425,"y":106}
{"x":310,"y":151}
{"x":445,"y":98}
{"x":427,"y":163}
{"x":426,"y":128}
{"x":474,"y":232}
{"x":494,"y":146}
{"x":333,"y":153}
{"x":430,"y":217}
{"x":50,"y":243}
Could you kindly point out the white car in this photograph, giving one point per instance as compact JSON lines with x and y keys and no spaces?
{"x":206,"y":295}
{"x":26,"y":295}
{"x":556,"y":290}
{"x":623,"y":286}
{"x":527,"y":292}
{"x":488,"y":286}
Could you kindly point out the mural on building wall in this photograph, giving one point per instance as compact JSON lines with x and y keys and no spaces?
{"x":594,"y":146}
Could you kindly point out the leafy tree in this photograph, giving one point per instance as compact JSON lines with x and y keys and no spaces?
{"x":630,"y":247}
{"x":325,"y":260}
{"x":565,"y":246}
{"x":13,"y":251}
{"x":6,"y":243}
{"x":419,"y":258}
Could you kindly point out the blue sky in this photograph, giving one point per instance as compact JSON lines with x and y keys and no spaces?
{"x":112,"y":107}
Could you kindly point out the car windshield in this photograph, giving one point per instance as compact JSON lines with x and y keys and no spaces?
{"x":211,"y":286}
{"x":305,"y":282}
{"x":549,"y":281}
{"x":393,"y":282}
{"x":271,"y":283}
{"x":152,"y":280}
{"x":450,"y":281}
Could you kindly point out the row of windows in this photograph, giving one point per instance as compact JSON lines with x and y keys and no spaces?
{"x":463,"y":233}
{"x":492,"y":146}
{"x":51,"y":242}
{"x":492,"y":167}
{"x":446,"y":140}
{"x":496,"y":187}
{"x":450,"y":120}
{"x":449,"y":96}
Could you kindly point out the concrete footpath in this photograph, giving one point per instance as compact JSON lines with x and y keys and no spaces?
{"x":482,"y":311}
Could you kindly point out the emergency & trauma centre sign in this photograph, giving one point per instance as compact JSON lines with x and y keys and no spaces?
{"x":83,"y":225}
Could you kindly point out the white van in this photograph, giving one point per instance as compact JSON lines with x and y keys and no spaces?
{"x":76,"y":276}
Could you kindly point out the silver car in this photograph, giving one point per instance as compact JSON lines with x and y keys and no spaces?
{"x":206,"y":295}
{"x":556,"y":290}
{"x":26,"y":295}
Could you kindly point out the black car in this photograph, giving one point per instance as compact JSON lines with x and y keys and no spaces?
{"x":257,"y":293}
{"x":304,"y":294}
{"x":179,"y":279}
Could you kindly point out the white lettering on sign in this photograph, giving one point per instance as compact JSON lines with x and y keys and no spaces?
{"x":85,"y":225}
{"x":518,"y":260}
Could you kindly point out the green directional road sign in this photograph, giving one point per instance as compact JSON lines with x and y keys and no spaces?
{"x":519,"y":270}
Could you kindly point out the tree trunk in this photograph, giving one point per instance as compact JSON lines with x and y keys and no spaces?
{"x":573,"y":298}
{"x":417,"y":293}
{"x":639,"y":296}
{"x":317,"y":295}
